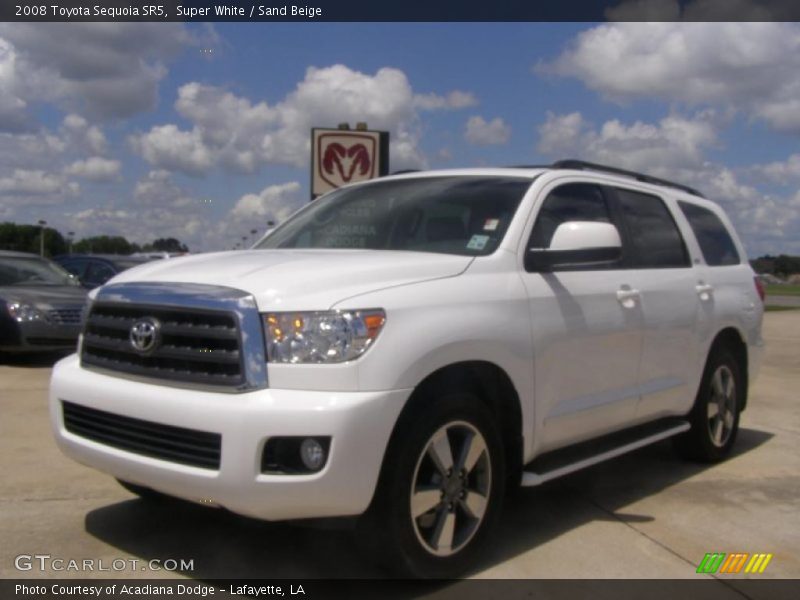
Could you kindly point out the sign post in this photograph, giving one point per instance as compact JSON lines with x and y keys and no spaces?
{"x":342,"y":156}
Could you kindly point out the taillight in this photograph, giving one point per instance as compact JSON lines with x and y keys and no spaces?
{"x":762,"y":293}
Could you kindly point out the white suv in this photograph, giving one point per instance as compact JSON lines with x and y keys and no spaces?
{"x":404,"y":349}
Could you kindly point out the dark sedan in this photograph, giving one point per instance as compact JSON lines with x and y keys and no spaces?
{"x":40,"y":304}
{"x":94,"y":270}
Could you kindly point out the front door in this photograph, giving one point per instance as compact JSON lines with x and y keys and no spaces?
{"x":587,"y":329}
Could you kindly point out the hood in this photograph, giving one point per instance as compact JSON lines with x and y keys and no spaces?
{"x":44,"y":295}
{"x":300,"y":279}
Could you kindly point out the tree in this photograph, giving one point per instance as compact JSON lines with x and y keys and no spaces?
{"x":166,"y":245}
{"x":25,"y":238}
{"x":105,"y":244}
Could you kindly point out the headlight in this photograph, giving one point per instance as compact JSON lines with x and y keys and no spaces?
{"x":321,"y":337}
{"x":25,"y":312}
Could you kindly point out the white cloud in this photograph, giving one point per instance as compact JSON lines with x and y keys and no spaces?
{"x":749,"y":66}
{"x":273,"y":203}
{"x":108,"y":70}
{"x":240,"y":135}
{"x":484,"y":133}
{"x":79,"y":135}
{"x":95,"y":168}
{"x":673,"y":143}
{"x":13,"y":107}
{"x":34,"y":183}
{"x":168,"y":147}
{"x":36,"y":167}
{"x":781,"y":172}
{"x":157,"y":189}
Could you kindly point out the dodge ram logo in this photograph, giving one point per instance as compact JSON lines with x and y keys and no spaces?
{"x":144,"y":335}
{"x":346,"y":157}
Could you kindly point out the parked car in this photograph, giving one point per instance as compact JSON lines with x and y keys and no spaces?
{"x":403,"y":349}
{"x":40,"y":304}
{"x":95,"y":269}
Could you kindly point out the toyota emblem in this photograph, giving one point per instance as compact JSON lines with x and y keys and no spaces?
{"x":144,"y":335}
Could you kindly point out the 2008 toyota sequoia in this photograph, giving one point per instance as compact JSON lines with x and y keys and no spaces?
{"x":406,"y":348}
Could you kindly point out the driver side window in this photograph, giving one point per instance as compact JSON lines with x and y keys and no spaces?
{"x":570,"y":202}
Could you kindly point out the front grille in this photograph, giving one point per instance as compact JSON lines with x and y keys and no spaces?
{"x":196,"y":346}
{"x":174,"y":444}
{"x":65,"y":316}
{"x":47,"y":341}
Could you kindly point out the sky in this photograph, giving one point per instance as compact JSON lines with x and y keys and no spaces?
{"x":201,"y":132}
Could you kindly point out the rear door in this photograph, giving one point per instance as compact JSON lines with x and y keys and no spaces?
{"x":666,"y":284}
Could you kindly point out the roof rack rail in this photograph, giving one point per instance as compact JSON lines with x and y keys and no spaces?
{"x":583,"y":165}
{"x":404,"y":171}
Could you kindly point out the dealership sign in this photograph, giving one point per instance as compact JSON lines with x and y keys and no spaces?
{"x":342,"y":156}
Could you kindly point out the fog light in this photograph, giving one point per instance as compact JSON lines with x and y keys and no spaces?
{"x":295,"y":455}
{"x":312,"y":454}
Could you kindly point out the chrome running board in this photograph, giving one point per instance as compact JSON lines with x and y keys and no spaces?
{"x":574,"y":458}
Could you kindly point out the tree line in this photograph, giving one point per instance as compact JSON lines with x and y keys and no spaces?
{"x":782,"y":265}
{"x":27,"y":238}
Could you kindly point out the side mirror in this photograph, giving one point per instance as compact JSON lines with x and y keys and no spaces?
{"x":577,"y":244}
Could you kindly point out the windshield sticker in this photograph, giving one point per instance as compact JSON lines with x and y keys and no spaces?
{"x":491,"y":224}
{"x":477,"y":242}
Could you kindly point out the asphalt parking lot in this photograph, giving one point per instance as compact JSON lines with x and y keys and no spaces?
{"x":644,"y":515}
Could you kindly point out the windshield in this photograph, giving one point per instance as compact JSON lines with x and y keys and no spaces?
{"x":32,"y":271}
{"x":455,"y":215}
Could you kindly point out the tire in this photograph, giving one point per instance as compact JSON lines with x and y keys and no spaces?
{"x":440,"y":492}
{"x":715,"y":416}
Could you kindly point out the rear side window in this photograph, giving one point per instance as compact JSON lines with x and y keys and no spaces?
{"x":715,"y":241}
{"x":654,"y":236}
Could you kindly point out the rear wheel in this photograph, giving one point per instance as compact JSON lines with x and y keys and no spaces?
{"x":441,"y":490}
{"x":715,"y":416}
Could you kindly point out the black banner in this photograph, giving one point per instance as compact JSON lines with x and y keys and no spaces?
{"x":484,"y":589}
{"x":401,"y":10}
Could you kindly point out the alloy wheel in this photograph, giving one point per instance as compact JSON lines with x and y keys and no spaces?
{"x":451,"y":488}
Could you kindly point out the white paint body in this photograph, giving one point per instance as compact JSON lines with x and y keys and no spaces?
{"x":588,"y":353}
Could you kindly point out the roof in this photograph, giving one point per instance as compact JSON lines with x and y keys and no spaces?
{"x":533,"y":171}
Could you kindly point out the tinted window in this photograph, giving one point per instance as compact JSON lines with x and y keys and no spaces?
{"x":33,"y":271}
{"x":98,"y":273}
{"x":654,"y":236}
{"x":571,"y":202}
{"x":455,"y":215}
{"x":76,"y":267}
{"x":715,"y":241}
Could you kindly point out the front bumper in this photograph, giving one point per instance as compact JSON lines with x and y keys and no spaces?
{"x":359,"y":424}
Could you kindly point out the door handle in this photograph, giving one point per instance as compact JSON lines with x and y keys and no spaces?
{"x":627,"y":297}
{"x":704,"y":290}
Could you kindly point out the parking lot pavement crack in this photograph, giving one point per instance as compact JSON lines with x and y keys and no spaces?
{"x":655,"y":541}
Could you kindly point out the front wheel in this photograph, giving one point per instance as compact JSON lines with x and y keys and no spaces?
{"x":715,"y":416}
{"x":441,"y":490}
